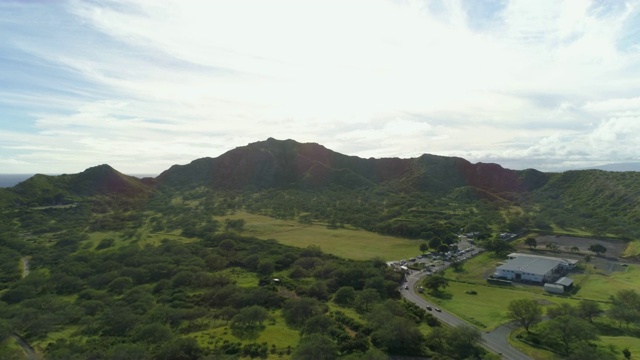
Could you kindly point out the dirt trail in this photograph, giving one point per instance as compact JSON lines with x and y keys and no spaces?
{"x":25,"y":267}
{"x":29,"y":352}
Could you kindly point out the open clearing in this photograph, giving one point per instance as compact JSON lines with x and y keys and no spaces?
{"x":348,"y":243}
{"x":595,"y":281}
{"x":599,"y":285}
{"x":488,"y":308}
{"x":615,"y":248}
{"x":633,"y":249}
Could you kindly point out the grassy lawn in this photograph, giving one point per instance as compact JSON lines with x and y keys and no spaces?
{"x":10,"y":350}
{"x":597,"y":285}
{"x":347,"y":243}
{"x":275,"y":332}
{"x":242,"y":277}
{"x":620,"y":343}
{"x":488,"y":309}
{"x":570,"y":231}
{"x":65,"y":333}
{"x":535,"y":353}
{"x":633,"y":249}
{"x":475,"y":269}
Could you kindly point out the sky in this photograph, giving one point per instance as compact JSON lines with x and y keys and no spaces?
{"x":142,"y":85}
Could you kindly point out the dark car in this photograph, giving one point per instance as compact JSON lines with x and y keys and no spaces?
{"x":428,"y":307}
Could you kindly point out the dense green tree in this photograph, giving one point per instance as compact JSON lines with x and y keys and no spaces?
{"x":266,"y":267}
{"x":561,"y":309}
{"x":434,"y":243}
{"x":365,"y":299}
{"x":457,"y":266}
{"x":567,"y":330}
{"x":443,"y":248}
{"x":598,"y":249}
{"x":128,"y":351}
{"x":318,"y":290}
{"x":316,"y":347}
{"x":319,"y":324}
{"x":588,"y":309}
{"x":377,"y":283}
{"x":371,"y":354}
{"x":424,"y":247}
{"x":463,"y":342}
{"x":296,"y":311}
{"x":531,"y":242}
{"x":120,"y":284}
{"x":117,"y":321}
{"x":251,"y":316}
{"x":435,"y":282}
{"x":345,"y":296}
{"x":583,"y":350}
{"x":180,"y":349}
{"x":398,"y":335}
{"x":182,"y":279}
{"x":498,"y":246}
{"x":154,"y":333}
{"x":625,"y":306}
{"x":525,"y":312}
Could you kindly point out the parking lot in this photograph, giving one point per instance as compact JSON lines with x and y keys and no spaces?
{"x":431,"y":262}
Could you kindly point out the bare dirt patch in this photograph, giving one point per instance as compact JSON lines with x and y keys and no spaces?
{"x":607,"y":263}
{"x":566,"y":243}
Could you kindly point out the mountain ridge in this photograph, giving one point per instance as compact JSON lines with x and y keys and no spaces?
{"x":287,"y":163}
{"x":282,"y":164}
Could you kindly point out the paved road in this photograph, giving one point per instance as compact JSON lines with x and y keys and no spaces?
{"x":495,"y":340}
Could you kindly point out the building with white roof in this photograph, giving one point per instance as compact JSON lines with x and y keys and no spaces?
{"x":533,"y":268}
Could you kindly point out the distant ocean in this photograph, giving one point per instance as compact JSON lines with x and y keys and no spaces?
{"x":9,"y":180}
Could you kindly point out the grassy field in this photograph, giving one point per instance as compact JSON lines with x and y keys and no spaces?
{"x":242,"y":277}
{"x":620,"y":343}
{"x":594,"y":285}
{"x":488,"y":308}
{"x":275,"y":333}
{"x":633,"y":249}
{"x":535,"y":353}
{"x":597,"y":285}
{"x":347,"y":243}
{"x":10,"y":350}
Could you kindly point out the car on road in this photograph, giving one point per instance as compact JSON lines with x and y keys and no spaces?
{"x":406,"y":287}
{"x":429,"y":307}
{"x":438,"y":310}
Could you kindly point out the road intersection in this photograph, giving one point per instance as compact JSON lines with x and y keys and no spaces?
{"x":495,"y":341}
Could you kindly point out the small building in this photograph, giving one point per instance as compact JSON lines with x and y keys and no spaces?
{"x":566,"y":282}
{"x":554,"y":288}
{"x":561,"y":286}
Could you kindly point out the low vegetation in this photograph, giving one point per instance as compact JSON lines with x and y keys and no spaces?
{"x":278,"y":249}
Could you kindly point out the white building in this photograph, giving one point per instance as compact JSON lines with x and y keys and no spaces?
{"x":532,"y":268}
{"x":559,"y":287}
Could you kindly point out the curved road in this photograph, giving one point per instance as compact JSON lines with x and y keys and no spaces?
{"x":495,"y":340}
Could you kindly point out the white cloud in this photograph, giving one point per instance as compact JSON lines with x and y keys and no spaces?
{"x":542,"y":82}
